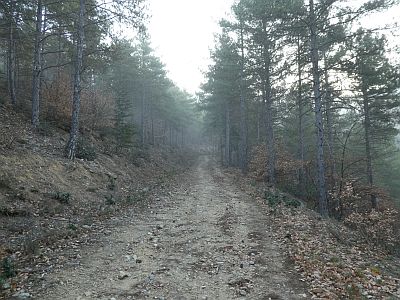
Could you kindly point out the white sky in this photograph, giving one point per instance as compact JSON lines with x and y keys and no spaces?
{"x":182,"y":33}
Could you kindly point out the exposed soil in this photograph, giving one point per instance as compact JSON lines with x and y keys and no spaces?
{"x":206,"y":240}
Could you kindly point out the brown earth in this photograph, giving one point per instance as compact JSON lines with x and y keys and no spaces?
{"x":205,"y":240}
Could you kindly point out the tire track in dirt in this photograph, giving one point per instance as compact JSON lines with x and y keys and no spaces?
{"x":208,"y":241}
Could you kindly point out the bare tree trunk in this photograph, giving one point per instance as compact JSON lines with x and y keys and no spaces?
{"x":268,"y":101}
{"x":329,"y":125}
{"x":37,"y":66}
{"x":258,"y":128}
{"x":221,"y":142}
{"x":76,"y":101}
{"x":368,"y":156}
{"x":302,"y":173}
{"x":152,"y":126}
{"x":142,"y":123}
{"x":170,"y":135}
{"x":182,"y":136}
{"x":323,"y":202}
{"x":227,"y":135}
{"x":11,"y":58}
{"x":243,"y":118}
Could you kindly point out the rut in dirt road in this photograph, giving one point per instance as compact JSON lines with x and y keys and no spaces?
{"x":208,"y":241}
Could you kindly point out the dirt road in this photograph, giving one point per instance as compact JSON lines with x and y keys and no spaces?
{"x":207,"y":240}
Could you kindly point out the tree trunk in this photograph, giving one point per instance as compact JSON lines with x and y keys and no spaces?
{"x":227,"y":135}
{"x":243,"y":118}
{"x":268,"y":101}
{"x":76,"y":101}
{"x":302,"y":173}
{"x":11,"y":58}
{"x":323,"y":203}
{"x":329,"y":125}
{"x":143,"y":127}
{"x":368,"y":156}
{"x":37,"y":66}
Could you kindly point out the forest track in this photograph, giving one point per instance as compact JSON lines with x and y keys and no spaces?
{"x":207,"y":240}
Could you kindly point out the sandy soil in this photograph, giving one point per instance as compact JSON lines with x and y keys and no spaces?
{"x":207,"y":240}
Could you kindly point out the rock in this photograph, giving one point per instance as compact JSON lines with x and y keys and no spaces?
{"x":129,"y":258}
{"x":303,"y":295}
{"x":22,"y":295}
{"x":242,"y":293}
{"x":88,"y":294}
{"x":6,"y":286}
{"x":122,"y":275}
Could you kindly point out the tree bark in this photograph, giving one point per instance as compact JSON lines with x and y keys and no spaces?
{"x":368,"y":156}
{"x":74,"y":132}
{"x":11,"y":58}
{"x":142,"y":121}
{"x":243,"y":118}
{"x":323,"y":202}
{"x":227,"y":135}
{"x":329,"y":124}
{"x":268,"y":106}
{"x":37,"y":66}
{"x":302,"y":173}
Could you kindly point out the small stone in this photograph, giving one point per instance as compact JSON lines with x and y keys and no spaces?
{"x":303,"y":295}
{"x":22,"y":295}
{"x":88,"y":294}
{"x":6,"y":286}
{"x":242,"y":293}
{"x":128,"y":258}
{"x":122,"y":275}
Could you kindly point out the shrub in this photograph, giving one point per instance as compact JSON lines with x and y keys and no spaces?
{"x":135,"y":155}
{"x":63,"y":197}
{"x":8,"y":269}
{"x":379,"y":227}
{"x":112,"y":182}
{"x":85,"y":150}
{"x":275,"y":199}
{"x":110,"y":200}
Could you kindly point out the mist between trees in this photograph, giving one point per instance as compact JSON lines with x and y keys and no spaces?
{"x":302,"y":97}
{"x":297,"y":94}
{"x":65,"y":64}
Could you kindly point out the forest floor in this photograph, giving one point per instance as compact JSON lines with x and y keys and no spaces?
{"x":165,"y":224}
{"x":206,"y":240}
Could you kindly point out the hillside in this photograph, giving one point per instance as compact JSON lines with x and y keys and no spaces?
{"x":46,"y":200}
{"x":148,"y":223}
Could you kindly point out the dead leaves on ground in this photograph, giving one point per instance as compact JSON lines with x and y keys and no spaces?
{"x":332,"y":261}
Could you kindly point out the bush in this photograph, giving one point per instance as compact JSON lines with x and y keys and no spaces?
{"x":275,"y":199}
{"x":63,"y":197}
{"x":7,"y":267}
{"x":85,"y":150}
{"x":136,"y":155}
{"x":379,"y":227}
{"x":110,"y":200}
